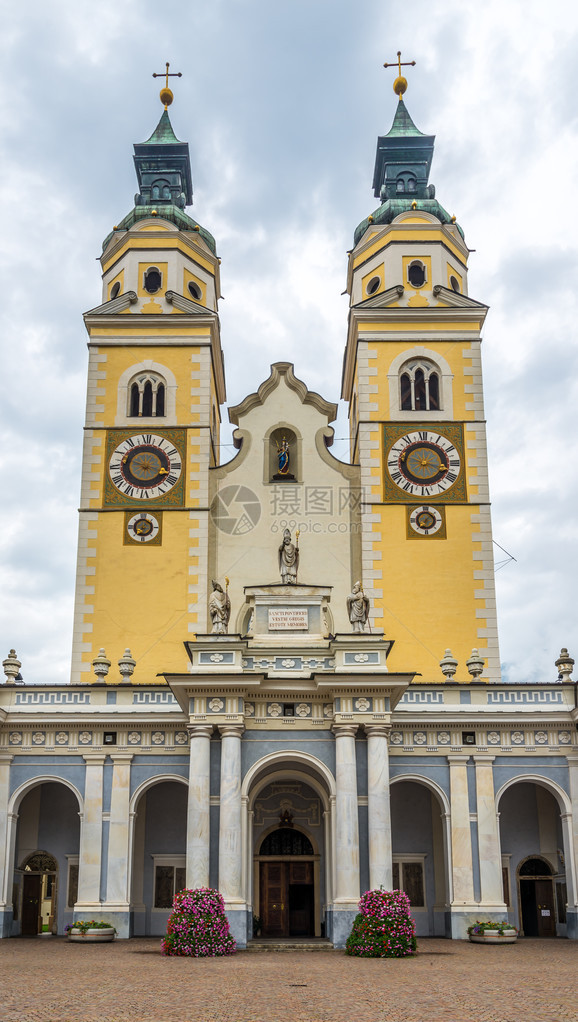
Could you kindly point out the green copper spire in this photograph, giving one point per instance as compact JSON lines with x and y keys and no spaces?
{"x":401,"y":174}
{"x":165,"y":183}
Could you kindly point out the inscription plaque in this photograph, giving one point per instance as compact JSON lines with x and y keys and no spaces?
{"x":288,"y":619}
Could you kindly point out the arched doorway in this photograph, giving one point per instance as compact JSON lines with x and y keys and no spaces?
{"x":533,"y":858}
{"x":420,"y":865}
{"x":536,"y":886}
{"x":46,"y":854}
{"x":287,"y":861}
{"x":39,"y":889}
{"x":290,"y":791}
{"x":159,"y":852}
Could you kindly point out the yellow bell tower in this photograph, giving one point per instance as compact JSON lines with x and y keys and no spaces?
{"x":413,"y":379}
{"x":155,"y":383}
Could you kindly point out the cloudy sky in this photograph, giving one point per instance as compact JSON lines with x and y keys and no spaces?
{"x":281,"y":104}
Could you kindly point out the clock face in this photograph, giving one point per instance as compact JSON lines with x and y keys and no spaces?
{"x":145,"y":466}
{"x":425,"y":520}
{"x":424,"y":463}
{"x":143,"y":527}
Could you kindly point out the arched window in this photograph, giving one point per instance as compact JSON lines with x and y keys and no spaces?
{"x":152,"y":280}
{"x":134,"y":400}
{"x":147,"y":396}
{"x":147,"y":399}
{"x":419,"y":385}
{"x":286,"y":841}
{"x":416,"y":273}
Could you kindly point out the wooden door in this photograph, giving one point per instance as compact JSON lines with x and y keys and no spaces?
{"x":274,"y":903}
{"x":545,"y":908}
{"x":30,"y":904}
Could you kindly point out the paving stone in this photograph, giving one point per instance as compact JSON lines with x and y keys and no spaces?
{"x":129,"y":981}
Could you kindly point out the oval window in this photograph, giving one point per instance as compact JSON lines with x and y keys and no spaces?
{"x":152,"y":281}
{"x":454,"y":283}
{"x":373,"y":285}
{"x":416,"y":274}
{"x":194,"y":291}
{"x":115,"y":290}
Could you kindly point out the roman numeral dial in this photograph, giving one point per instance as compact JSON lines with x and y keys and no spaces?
{"x":423,"y":463}
{"x":145,"y":466}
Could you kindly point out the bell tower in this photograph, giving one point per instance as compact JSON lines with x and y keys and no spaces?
{"x":155,"y":384}
{"x":413,"y":378}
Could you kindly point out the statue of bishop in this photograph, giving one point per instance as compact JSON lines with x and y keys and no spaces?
{"x":289,"y":559}
{"x":219,"y":609}
{"x":358,"y":608}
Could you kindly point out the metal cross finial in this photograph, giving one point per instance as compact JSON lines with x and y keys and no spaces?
{"x":400,"y":83}
{"x":166,"y":94}
{"x":173,"y":74}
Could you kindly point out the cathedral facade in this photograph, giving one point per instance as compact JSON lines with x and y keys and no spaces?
{"x":285,"y":672}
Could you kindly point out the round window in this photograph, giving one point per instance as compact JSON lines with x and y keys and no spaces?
{"x":152,"y":280}
{"x":194,"y":291}
{"x":454,"y":283}
{"x":115,"y":290}
{"x":416,"y":274}
{"x":373,"y":285}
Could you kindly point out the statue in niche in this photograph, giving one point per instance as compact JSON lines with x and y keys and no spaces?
{"x":289,"y":558}
{"x":283,"y":456}
{"x":220,"y":608}
{"x":358,"y":608}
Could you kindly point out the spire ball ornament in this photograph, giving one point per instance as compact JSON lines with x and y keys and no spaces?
{"x":166,"y":97}
{"x":399,"y":86}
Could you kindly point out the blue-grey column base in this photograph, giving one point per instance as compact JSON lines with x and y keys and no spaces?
{"x":122,"y":921}
{"x":239,"y":921}
{"x":572,"y":924}
{"x":6,"y":922}
{"x":339,"y":924}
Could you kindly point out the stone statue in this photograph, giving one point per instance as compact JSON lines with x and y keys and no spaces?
{"x":289,"y":558}
{"x":358,"y":607}
{"x":219,"y":609}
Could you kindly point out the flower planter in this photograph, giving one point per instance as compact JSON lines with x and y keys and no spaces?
{"x":493,"y":937}
{"x":96,"y":936}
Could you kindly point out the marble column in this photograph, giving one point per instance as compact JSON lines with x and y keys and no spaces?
{"x":347,"y":826}
{"x":230,"y":851}
{"x":462,"y":866}
{"x":91,"y":836}
{"x":118,"y":869}
{"x":5,"y":848}
{"x":378,"y":808}
{"x":570,"y":835}
{"x":198,"y":812}
{"x":491,"y":886}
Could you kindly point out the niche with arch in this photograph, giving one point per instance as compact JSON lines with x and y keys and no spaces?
{"x":282,"y":451}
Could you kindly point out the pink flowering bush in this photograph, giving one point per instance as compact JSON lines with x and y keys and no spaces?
{"x":198,"y":926}
{"x":383,"y":928}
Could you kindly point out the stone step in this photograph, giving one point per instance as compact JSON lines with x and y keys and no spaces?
{"x":293,"y":944}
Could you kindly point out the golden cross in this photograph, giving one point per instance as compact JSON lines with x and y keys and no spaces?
{"x":400,"y":83}
{"x":173,"y":74}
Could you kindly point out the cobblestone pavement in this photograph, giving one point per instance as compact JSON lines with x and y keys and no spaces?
{"x":49,"y":979}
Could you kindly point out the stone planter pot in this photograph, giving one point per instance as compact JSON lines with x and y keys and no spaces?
{"x":493,"y":937}
{"x":96,"y":936}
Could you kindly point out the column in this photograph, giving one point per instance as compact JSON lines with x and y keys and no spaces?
{"x":570,"y":835}
{"x":5,"y":848}
{"x":230,"y":852}
{"x":491,"y":886}
{"x":90,"y":836}
{"x":117,"y":882}
{"x":347,"y":826}
{"x":462,"y":875}
{"x":378,"y":809}
{"x":198,"y":811}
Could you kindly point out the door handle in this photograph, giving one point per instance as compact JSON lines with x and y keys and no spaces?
{"x":281,"y":906}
